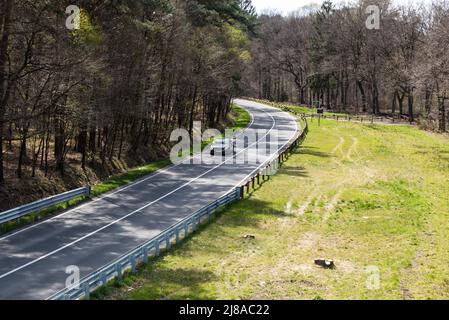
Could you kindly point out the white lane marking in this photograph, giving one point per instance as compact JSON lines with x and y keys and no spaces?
{"x":271,"y":158}
{"x":120,"y":189}
{"x":134,"y":212}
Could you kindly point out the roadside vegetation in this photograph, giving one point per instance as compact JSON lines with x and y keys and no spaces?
{"x":239,"y":118}
{"x":372,"y":198}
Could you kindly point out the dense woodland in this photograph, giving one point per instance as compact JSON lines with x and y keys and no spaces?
{"x":118,"y":85}
{"x":114,"y":89}
{"x":328,"y":55}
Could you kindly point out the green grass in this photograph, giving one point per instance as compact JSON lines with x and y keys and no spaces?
{"x":238,"y":120}
{"x":365,"y":196}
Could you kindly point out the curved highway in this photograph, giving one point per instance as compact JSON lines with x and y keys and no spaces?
{"x":33,"y":260}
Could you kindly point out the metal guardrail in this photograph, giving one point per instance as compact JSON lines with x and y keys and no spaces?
{"x":141,"y":254}
{"x":272,"y":164}
{"x":39,"y":205}
{"x":190,"y":224}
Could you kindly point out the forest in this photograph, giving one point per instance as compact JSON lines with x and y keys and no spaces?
{"x":332,"y":55}
{"x":114,"y":86}
{"x":112,"y":89}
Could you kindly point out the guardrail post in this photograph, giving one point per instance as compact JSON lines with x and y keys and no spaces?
{"x":86,"y":290}
{"x":258,"y":179}
{"x":198,"y":221}
{"x":253,"y":182}
{"x":157,"y":247}
{"x":186,"y":229}
{"x":118,"y":269}
{"x":177,"y":235}
{"x":103,"y":279}
{"x":132,"y":260}
{"x":242,"y":192}
{"x":145,"y":254}
{"x":194,"y":225}
{"x":167,"y":242}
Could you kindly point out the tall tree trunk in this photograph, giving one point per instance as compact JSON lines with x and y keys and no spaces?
{"x":410,"y":99}
{"x":22,"y":152}
{"x":362,"y":93}
{"x":428,"y":100}
{"x":5,"y":25}
{"x":401,"y":103}
{"x":393,"y":102}
{"x":441,"y":114}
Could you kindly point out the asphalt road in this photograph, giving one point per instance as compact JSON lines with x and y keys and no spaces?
{"x":33,"y":260}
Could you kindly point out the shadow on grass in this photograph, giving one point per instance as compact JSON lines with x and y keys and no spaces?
{"x":152,"y":282}
{"x":220,"y":236}
{"x":311,"y":152}
{"x":294,"y":171}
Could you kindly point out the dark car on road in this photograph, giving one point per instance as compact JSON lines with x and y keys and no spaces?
{"x":220,"y":146}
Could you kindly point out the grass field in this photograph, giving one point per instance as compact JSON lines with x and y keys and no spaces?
{"x":373,"y":198}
